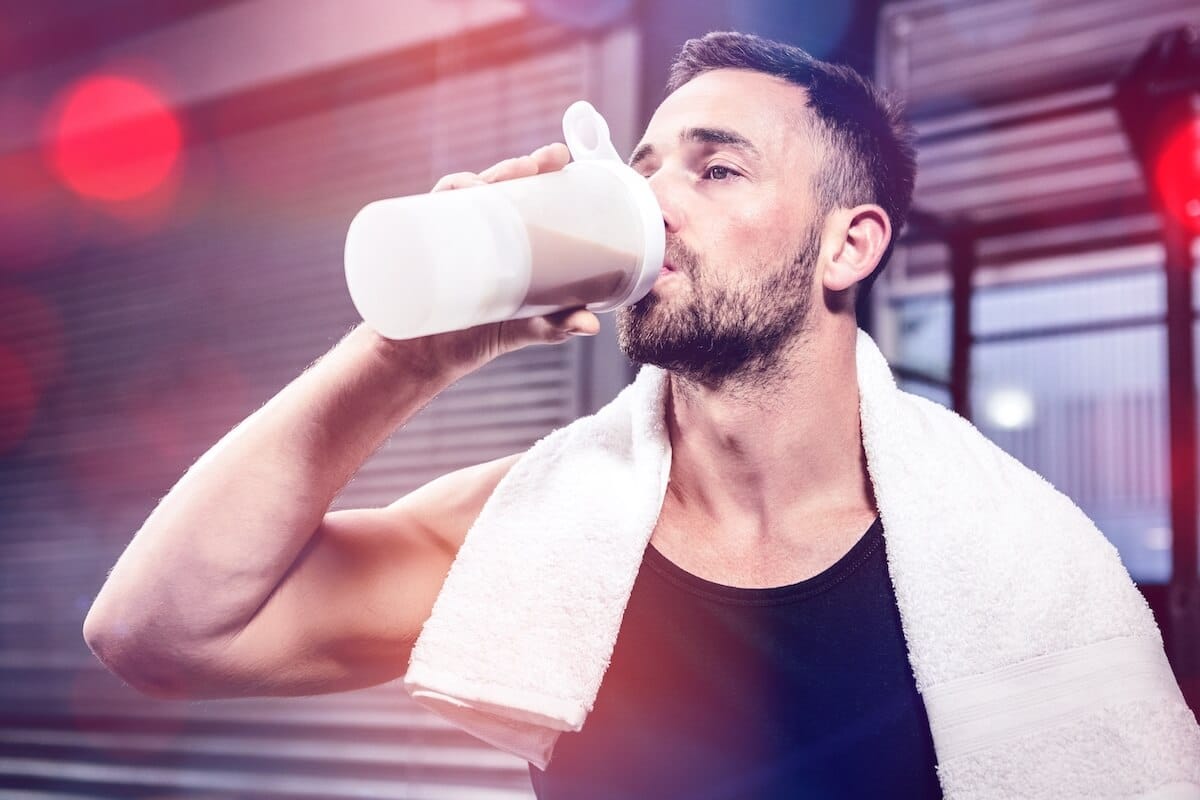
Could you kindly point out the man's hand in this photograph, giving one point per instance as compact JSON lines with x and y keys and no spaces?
{"x":474,"y":347}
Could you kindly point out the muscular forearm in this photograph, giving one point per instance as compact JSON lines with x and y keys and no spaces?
{"x":219,"y":542}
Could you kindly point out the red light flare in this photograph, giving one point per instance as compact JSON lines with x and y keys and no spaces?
{"x":31,"y":360}
{"x":32,"y":229}
{"x":33,"y":328}
{"x":18,"y":399}
{"x":113,"y":139}
{"x":38,"y":217}
{"x":1177,"y":174}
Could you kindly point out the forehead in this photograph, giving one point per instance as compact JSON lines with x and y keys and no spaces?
{"x":768,"y":111}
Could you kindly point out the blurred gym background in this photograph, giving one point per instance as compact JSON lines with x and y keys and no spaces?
{"x":176,"y":180}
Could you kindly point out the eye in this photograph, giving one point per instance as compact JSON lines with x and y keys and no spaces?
{"x":719,"y":172}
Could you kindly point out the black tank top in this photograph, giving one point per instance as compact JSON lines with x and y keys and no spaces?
{"x":717,"y":691}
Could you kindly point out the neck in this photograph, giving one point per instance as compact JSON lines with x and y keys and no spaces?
{"x":754,"y":462}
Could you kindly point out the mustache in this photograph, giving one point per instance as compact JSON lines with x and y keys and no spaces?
{"x":681,"y":257}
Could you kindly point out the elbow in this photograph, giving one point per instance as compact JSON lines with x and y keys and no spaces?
{"x":141,"y":663}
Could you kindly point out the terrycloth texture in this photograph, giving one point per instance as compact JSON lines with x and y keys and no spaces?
{"x":1039,"y":661}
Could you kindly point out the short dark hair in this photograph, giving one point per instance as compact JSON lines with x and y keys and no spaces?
{"x":874,"y":159}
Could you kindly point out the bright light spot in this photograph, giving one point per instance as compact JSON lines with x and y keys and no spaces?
{"x":114,"y":139}
{"x":1158,"y":538}
{"x":1177,"y":174}
{"x":1009,"y":409}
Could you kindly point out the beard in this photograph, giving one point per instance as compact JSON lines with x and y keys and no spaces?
{"x":719,"y":334}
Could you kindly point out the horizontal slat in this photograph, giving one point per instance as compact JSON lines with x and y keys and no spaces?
{"x":61,"y":708}
{"x":991,"y":48}
{"x":349,"y":753}
{"x":247,"y":784}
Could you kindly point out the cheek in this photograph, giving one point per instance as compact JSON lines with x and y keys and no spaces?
{"x":751,"y":232}
{"x":763,"y":238}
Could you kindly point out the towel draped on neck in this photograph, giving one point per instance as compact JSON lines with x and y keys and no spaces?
{"x":1039,"y":662}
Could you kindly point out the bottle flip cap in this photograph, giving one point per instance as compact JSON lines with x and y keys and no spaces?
{"x":589,"y":141}
{"x":587,"y":133}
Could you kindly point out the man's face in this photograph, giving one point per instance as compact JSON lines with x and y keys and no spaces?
{"x":732,"y":163}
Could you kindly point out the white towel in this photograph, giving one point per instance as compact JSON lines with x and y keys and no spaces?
{"x":1038,"y":660}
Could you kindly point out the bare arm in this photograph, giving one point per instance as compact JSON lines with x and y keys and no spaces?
{"x":216,"y":546}
{"x":241,"y":569}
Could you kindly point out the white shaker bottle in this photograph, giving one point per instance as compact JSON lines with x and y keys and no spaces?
{"x":590,"y":234}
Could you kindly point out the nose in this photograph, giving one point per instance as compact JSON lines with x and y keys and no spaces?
{"x":667,"y":201}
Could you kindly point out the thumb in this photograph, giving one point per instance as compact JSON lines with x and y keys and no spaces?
{"x":552,"y":328}
{"x":578,"y":321}
{"x":582,"y":322}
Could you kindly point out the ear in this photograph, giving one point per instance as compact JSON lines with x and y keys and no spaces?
{"x":858,"y":236}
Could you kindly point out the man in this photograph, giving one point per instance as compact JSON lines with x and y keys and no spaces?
{"x":761,"y":653}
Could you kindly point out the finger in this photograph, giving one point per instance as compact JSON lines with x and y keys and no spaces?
{"x":457,"y":180}
{"x":583,"y":322}
{"x":509,"y":168}
{"x":551,"y":157}
{"x":578,"y":320}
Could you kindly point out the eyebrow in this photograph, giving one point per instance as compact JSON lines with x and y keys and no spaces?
{"x":705,"y":135}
